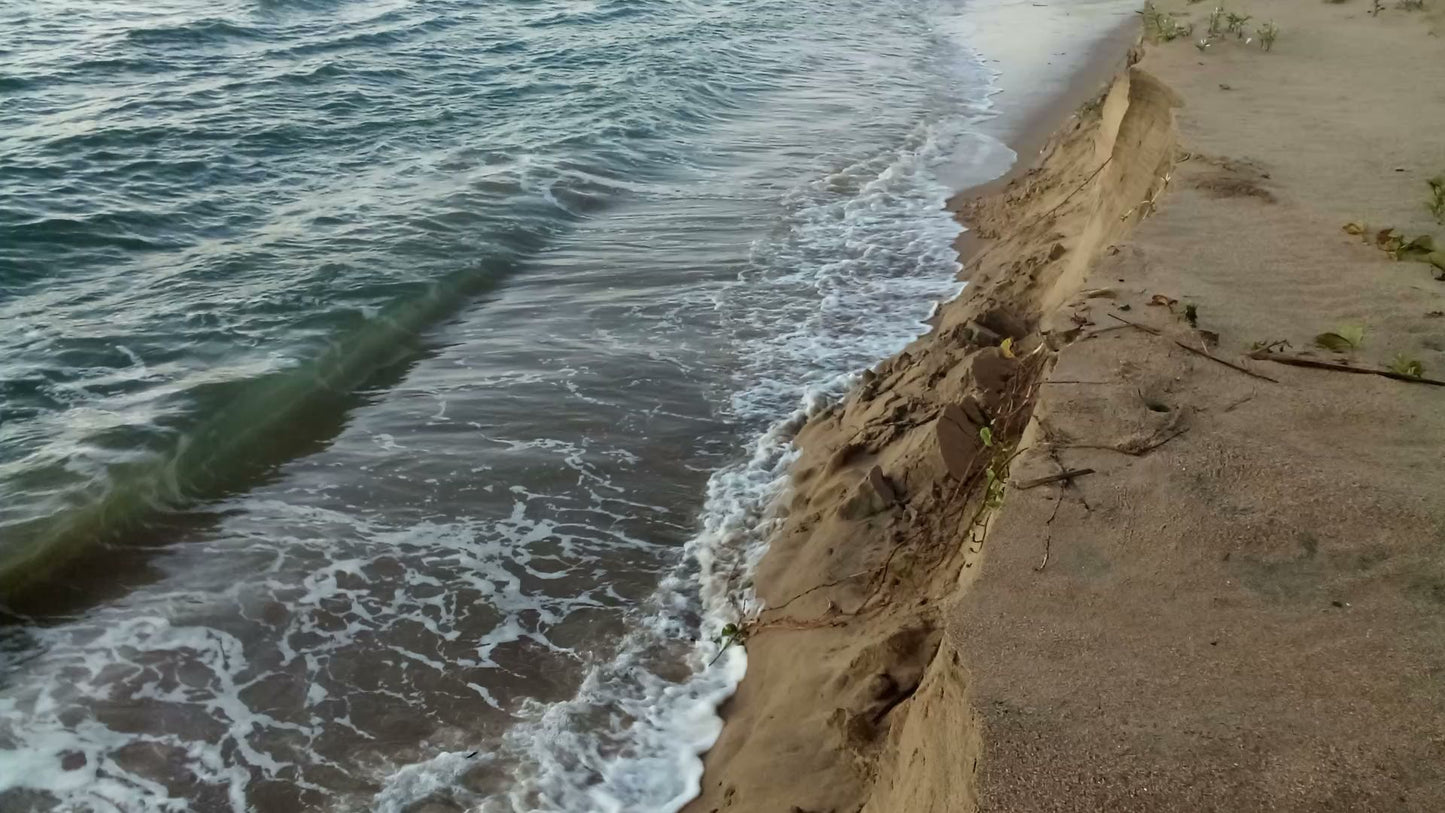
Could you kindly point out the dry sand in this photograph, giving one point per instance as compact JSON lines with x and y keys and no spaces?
{"x":1243,"y":606}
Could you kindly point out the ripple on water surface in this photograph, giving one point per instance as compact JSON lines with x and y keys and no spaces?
{"x":393,"y":392}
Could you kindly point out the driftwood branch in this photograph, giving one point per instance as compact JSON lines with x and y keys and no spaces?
{"x":1196,"y":351}
{"x":1302,"y":361}
{"x":1128,"y":450}
{"x":1231,"y":365}
{"x":1053,"y":478}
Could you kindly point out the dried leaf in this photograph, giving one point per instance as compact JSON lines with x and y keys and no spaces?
{"x":1354,"y":228}
{"x":1007,"y":348}
{"x":1163,"y":301}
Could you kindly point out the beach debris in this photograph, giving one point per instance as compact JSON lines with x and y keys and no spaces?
{"x":1436,"y":202}
{"x":1191,"y":314}
{"x":1160,"y":300}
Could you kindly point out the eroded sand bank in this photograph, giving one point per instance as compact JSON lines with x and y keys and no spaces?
{"x":1243,"y":605}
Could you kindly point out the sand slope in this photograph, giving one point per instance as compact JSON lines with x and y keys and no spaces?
{"x":1243,"y":607}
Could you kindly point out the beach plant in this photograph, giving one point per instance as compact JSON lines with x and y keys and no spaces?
{"x":1270,"y":346}
{"x":1163,"y":27}
{"x":1267,"y":34}
{"x":1235,"y":22}
{"x":1342,"y":339}
{"x":1376,"y":6}
{"x":1411,"y":5}
{"x":730,"y":634}
{"x":1191,"y":314}
{"x":1216,"y":21}
{"x":1436,"y":202}
{"x":1405,"y":365}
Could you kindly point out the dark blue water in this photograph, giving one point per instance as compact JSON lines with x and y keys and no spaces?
{"x":392,"y":393}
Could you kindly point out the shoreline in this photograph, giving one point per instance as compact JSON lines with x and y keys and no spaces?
{"x":1044,"y":559}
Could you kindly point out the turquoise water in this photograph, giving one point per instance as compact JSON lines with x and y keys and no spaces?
{"x":392,"y":393}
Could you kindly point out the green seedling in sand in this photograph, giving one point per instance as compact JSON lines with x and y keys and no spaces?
{"x":1267,"y":34}
{"x":1399,"y":247}
{"x":1342,"y":340}
{"x":1404,"y":365}
{"x":1235,"y":22}
{"x":985,"y":434}
{"x":1436,"y":201}
{"x":993,"y":496}
{"x":1270,"y":346}
{"x":1394,"y":243}
{"x":729,"y":635}
{"x":1191,"y":314}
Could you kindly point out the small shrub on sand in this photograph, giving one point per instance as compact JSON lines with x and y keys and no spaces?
{"x":1267,"y":34}
{"x":1235,"y":22}
{"x":1436,"y":202}
{"x":1411,"y":5}
{"x":1216,"y":21}
{"x":1376,"y":6}
{"x":1163,"y":27}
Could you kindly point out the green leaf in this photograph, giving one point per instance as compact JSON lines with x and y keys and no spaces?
{"x":1339,"y":342}
{"x":1354,"y":334}
{"x":986,"y":435}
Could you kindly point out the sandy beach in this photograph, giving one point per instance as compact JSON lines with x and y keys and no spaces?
{"x":1151,"y":519}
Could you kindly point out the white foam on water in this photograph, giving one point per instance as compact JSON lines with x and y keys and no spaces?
{"x":864,"y":256}
{"x":859,"y":256}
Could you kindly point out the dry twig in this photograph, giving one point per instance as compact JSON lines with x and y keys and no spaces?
{"x":1301,"y":361}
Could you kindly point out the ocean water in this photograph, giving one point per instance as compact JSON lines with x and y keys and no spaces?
{"x":393,"y":393}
